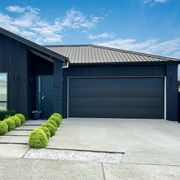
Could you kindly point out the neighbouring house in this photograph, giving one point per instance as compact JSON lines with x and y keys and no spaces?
{"x":86,"y":81}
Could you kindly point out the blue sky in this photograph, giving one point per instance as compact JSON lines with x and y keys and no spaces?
{"x":151,"y":26}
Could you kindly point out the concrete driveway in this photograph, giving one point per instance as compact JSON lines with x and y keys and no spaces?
{"x":142,"y":141}
{"x":151,"y":152}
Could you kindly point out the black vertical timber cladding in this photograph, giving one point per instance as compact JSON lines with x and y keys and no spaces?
{"x":172,"y":92}
{"x":36,"y":66}
{"x":179,"y":107}
{"x":65,"y":76}
{"x":57,"y":87}
{"x":13,"y":60}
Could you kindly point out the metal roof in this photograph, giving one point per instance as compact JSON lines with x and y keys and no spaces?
{"x":33,"y":45}
{"x":91,"y":54}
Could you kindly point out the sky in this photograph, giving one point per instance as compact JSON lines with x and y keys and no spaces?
{"x":151,"y":26}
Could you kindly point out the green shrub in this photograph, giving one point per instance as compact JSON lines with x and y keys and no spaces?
{"x":21,"y":117}
{"x":53,"y":123}
{"x":3,"y":128}
{"x":6,"y":113}
{"x":16,"y":120}
{"x":46,"y":131}
{"x":50,"y":127}
{"x":56,"y":119}
{"x":58,"y":115}
{"x":38,"y":139}
{"x":11,"y":124}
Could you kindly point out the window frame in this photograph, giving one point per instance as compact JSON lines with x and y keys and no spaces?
{"x":6,"y":101}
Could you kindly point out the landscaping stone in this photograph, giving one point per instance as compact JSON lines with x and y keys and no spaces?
{"x":12,"y":150}
{"x":73,"y":155}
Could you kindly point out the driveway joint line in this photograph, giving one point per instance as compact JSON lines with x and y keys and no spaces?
{"x":84,"y":150}
{"x":14,"y":135}
{"x":151,"y":164}
{"x":23,"y":157}
{"x":104,"y":176}
{"x":13,"y":143}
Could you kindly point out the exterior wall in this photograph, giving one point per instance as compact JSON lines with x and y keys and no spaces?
{"x":172,"y":92}
{"x":13,"y":60}
{"x":36,"y":66}
{"x":22,"y":68}
{"x":179,"y":107}
{"x":58,"y":87}
{"x":109,"y":70}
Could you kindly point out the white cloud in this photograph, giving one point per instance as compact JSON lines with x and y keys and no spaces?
{"x":29,"y":24}
{"x":166,"y":48}
{"x":155,"y":1}
{"x":104,"y":35}
{"x":16,"y":9}
{"x":75,"y":19}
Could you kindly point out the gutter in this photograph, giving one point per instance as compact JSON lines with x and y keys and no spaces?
{"x":66,"y":63}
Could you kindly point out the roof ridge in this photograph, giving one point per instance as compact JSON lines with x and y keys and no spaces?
{"x":68,"y":45}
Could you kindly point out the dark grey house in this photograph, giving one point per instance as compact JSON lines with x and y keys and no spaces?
{"x":87,"y":80}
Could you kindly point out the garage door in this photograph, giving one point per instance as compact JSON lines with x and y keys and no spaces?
{"x":116,"y":97}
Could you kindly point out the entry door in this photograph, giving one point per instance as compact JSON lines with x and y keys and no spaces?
{"x":45,"y":95}
{"x":125,"y":97}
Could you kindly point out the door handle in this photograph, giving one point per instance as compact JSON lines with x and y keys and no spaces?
{"x":43,"y":97}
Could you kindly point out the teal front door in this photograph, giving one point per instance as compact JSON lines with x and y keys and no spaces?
{"x":44,"y":95}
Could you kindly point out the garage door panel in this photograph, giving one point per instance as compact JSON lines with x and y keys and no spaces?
{"x":102,"y":82}
{"x":115,"y":102}
{"x":116,"y":97}
{"x":115,"y":92}
{"x":119,"y":113}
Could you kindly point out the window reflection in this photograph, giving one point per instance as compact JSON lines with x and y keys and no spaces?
{"x":3,"y":91}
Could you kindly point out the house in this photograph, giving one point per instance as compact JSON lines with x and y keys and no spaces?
{"x":87,"y":80}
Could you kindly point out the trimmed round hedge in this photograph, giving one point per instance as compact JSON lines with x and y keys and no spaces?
{"x":38,"y":139}
{"x":46,"y":131}
{"x":21,"y":117}
{"x":58,"y":115}
{"x":3,"y":128}
{"x":53,"y":123}
{"x":16,"y":120}
{"x":11,"y":124}
{"x":56,"y":119}
{"x":50,"y":127}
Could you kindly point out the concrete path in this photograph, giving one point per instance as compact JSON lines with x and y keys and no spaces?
{"x":14,"y":144}
{"x":21,"y":169}
{"x":12,"y":151}
{"x":34,"y":122}
{"x":14,"y":140}
{"x":18,"y":133}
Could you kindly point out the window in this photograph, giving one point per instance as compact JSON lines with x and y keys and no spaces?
{"x":3,"y":91}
